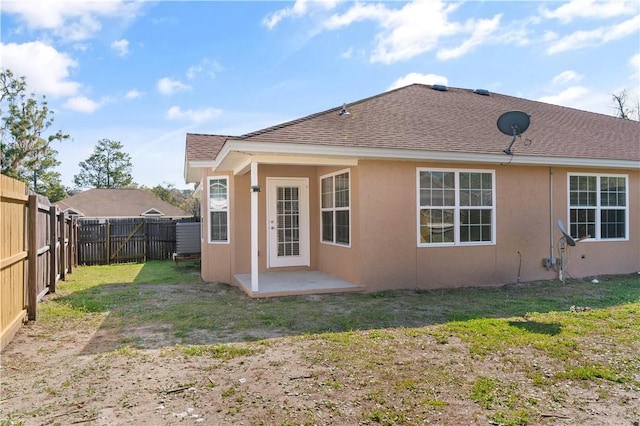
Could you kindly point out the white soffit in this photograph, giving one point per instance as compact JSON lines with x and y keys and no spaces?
{"x":242,"y":164}
{"x":237,"y":155}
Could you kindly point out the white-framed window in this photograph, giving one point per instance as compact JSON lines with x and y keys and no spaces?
{"x":456,"y":207}
{"x":598,"y":206}
{"x":218,"y":190}
{"x":335,"y":208}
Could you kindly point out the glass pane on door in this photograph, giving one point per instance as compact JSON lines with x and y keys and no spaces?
{"x":288,"y":220}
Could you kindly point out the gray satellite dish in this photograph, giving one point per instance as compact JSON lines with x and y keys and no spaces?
{"x":513,"y":123}
{"x":568,"y":238}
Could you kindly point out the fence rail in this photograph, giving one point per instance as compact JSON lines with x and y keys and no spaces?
{"x":105,"y":241}
{"x":38,"y":246}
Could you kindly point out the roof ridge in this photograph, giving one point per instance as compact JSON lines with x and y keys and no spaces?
{"x":210,"y":134}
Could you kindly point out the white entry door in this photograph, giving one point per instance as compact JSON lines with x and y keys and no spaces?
{"x":288,"y":221}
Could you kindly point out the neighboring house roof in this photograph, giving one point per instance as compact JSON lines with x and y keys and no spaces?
{"x":419,"y":118}
{"x":120,"y":202}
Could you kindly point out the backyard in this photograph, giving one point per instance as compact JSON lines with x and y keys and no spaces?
{"x":148,"y":344}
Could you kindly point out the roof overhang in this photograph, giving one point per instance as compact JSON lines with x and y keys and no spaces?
{"x":236,"y":157}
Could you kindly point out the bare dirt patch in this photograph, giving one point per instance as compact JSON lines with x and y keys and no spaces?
{"x":102,"y":370}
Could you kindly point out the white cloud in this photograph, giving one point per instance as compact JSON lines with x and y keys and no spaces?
{"x":598,"y":36}
{"x":481,"y":30}
{"x":167,"y":86}
{"x":359,"y":12}
{"x":418,"y":27}
{"x":415,"y":77}
{"x":347,"y":54}
{"x":81,"y":47}
{"x":81,"y":104}
{"x":406,"y":32}
{"x":566,"y":77}
{"x":133,"y":94}
{"x":588,"y":9}
{"x":207,"y":66}
{"x":586,"y":99}
{"x":121,"y":47}
{"x":411,"y":29}
{"x":571,"y":94}
{"x":194,"y":116}
{"x":299,"y":9}
{"x":550,"y":36}
{"x":567,"y":97}
{"x":46,"y":69}
{"x":193,"y":71}
{"x":71,"y":20}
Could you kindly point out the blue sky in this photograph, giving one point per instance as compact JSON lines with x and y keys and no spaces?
{"x":146,"y":73}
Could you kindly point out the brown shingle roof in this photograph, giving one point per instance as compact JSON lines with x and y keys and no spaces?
{"x":121,"y":202}
{"x":457,"y":120}
{"x":204,"y":147}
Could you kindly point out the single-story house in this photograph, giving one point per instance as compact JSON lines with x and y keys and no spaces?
{"x":416,"y":188}
{"x":119,"y":203}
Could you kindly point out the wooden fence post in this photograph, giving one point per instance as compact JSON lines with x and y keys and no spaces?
{"x":63,"y":248}
{"x":53,"y":243}
{"x":145,"y":236}
{"x":107,"y":242}
{"x":72,"y":244}
{"x":146,"y":239}
{"x":32,"y":250}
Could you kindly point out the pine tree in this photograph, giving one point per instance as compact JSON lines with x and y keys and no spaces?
{"x":107,"y":167}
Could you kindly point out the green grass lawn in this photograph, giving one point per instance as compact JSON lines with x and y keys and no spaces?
{"x":132,"y":291}
{"x":546,"y":335}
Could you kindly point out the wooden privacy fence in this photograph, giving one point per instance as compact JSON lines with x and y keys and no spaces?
{"x":37,"y":245}
{"x":105,"y":241}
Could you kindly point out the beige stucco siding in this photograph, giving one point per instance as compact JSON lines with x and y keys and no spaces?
{"x":391,"y":257}
{"x":522,"y":237}
{"x":242,"y":216}
{"x":241,"y":226}
{"x":592,"y":258}
{"x":222,"y":261}
{"x":337,"y":260}
{"x":387,"y":212}
{"x":384,"y":252}
{"x":522,"y":225}
{"x":216,"y":258}
{"x":390,"y":252}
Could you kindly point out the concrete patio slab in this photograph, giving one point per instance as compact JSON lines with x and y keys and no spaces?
{"x":272,"y":284}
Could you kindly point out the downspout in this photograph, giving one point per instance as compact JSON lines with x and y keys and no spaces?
{"x":552,"y":257}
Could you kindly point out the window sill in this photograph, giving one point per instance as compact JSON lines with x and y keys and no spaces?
{"x":327,"y":243}
{"x":487,"y":244}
